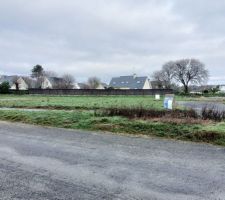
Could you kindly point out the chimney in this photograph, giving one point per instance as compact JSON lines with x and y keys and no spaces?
{"x":134,"y":76}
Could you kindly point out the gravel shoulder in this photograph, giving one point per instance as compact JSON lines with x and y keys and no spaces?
{"x":50,"y":163}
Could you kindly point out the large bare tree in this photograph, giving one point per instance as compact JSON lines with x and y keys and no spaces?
{"x":185,"y":72}
{"x":189,"y":71}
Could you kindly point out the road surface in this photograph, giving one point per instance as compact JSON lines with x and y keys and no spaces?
{"x":48,"y":163}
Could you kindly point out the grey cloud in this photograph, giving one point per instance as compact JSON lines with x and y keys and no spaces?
{"x":110,"y":38}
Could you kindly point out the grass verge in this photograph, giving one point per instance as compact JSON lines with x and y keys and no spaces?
{"x":213,"y":133}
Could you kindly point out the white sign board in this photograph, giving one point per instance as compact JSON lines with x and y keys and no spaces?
{"x":169,"y":102}
{"x":157,"y":97}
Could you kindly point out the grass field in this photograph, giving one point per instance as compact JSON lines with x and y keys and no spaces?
{"x":78,"y":102}
{"x":78,"y":112}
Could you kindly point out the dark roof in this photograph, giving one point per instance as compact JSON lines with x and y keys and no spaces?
{"x":131,"y":82}
{"x":156,"y":84}
{"x":31,"y":82}
{"x":55,"y":80}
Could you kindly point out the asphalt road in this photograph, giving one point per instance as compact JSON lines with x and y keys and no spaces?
{"x":48,"y":163}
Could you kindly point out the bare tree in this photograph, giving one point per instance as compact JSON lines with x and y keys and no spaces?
{"x":157,"y":77}
{"x":30,"y":82}
{"x":190,"y":71}
{"x":93,"y":82}
{"x":164,"y":77}
{"x":16,"y":82}
{"x":50,"y":74}
{"x":39,"y":81}
{"x":84,"y":86}
{"x":68,"y":81}
{"x":168,"y":74}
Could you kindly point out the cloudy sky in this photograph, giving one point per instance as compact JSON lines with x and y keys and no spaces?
{"x":110,"y":37}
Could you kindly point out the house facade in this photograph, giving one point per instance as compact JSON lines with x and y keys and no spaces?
{"x":15,"y":82}
{"x":51,"y":82}
{"x":130,"y":82}
{"x":56,"y":83}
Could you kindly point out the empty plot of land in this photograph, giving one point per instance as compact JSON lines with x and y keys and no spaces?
{"x":78,"y":102}
{"x":49,"y":163}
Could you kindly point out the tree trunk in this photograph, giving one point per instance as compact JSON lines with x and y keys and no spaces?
{"x":186,"y":90}
{"x":17,"y":86}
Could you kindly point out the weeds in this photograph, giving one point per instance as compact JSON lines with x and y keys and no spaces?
{"x":212,"y":114}
{"x":146,"y":113}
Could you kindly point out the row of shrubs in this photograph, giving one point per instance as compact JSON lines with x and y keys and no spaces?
{"x":206,"y":114}
{"x":212,"y":114}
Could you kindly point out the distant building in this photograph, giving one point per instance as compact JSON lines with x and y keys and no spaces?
{"x":130,"y":82}
{"x":101,"y":86}
{"x":194,"y":89}
{"x":51,"y":82}
{"x":157,"y":84}
{"x":15,"y":82}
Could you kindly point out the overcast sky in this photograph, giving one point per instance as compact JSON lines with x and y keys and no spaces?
{"x":108,"y":38}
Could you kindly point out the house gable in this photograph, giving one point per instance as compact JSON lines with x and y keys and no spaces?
{"x":46,"y":84}
{"x":21,"y":84}
{"x":130,"y":82}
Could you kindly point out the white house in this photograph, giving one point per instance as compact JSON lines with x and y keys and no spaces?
{"x":55,"y":82}
{"x":15,"y":82}
{"x":102,"y":86}
{"x":51,"y":82}
{"x":130,"y":82}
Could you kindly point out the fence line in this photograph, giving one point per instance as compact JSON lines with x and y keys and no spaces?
{"x":95,"y":92}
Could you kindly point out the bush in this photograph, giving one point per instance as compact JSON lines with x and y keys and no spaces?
{"x":213,"y":114}
{"x":148,"y":113}
{"x":205,"y":91}
{"x":4,"y":88}
{"x":131,"y":113}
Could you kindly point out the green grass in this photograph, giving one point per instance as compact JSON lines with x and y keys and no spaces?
{"x":80,"y":115}
{"x":78,"y":102}
{"x":86,"y":120}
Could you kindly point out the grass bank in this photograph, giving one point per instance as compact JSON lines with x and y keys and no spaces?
{"x":209,"y":132}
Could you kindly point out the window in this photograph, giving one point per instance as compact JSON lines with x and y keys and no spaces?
{"x":138,"y":81}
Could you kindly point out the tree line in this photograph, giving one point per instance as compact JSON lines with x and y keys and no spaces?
{"x":183,"y":72}
{"x":67,"y":80}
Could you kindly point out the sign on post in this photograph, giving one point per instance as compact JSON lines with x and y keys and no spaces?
{"x":169,"y":102}
{"x":157,"y":97}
